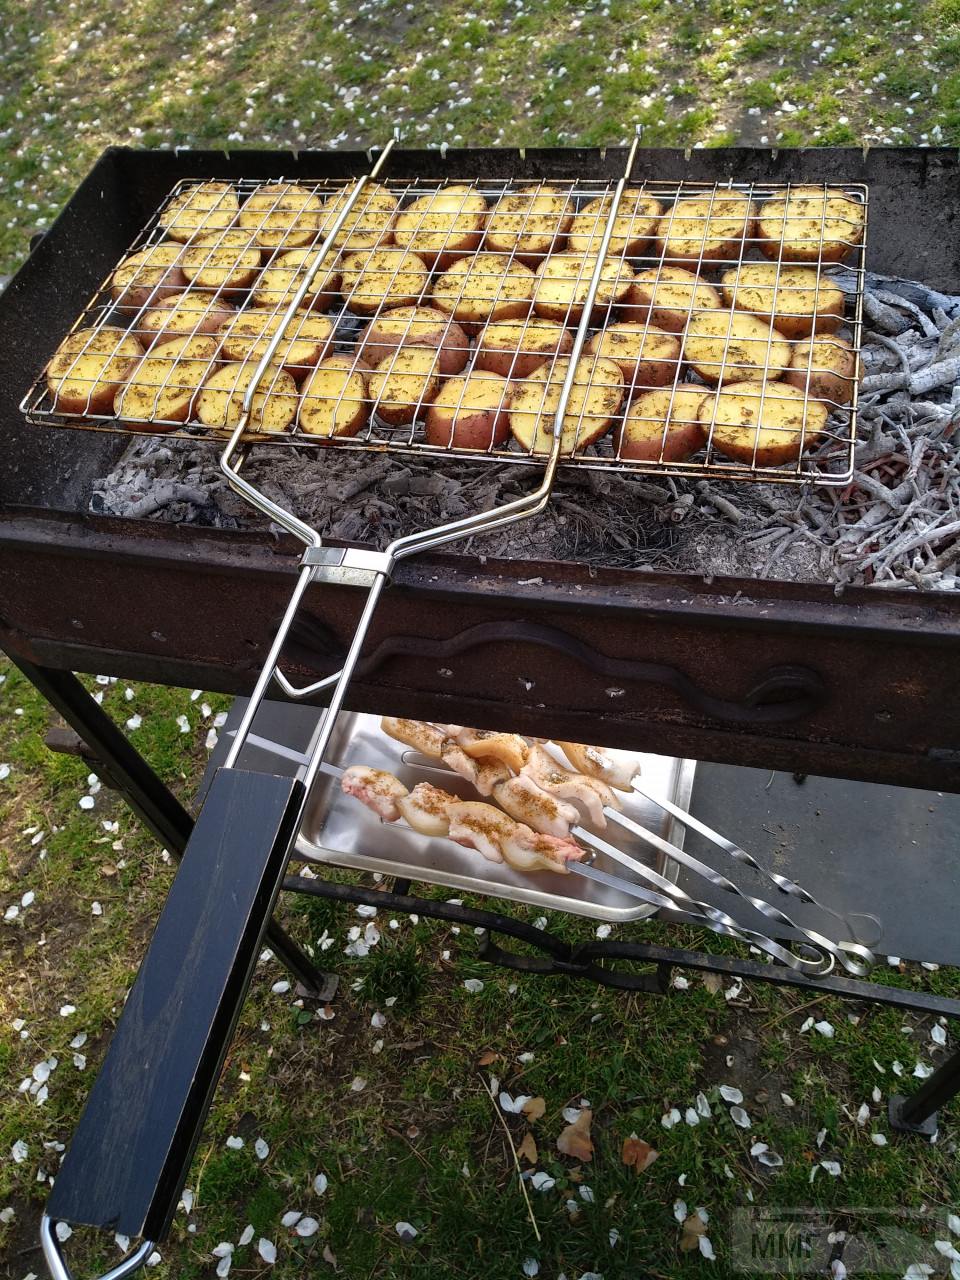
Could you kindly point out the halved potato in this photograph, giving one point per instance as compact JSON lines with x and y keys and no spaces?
{"x":470,"y":412}
{"x":486,"y":287}
{"x":281,"y":215}
{"x":442,"y":226}
{"x":633,"y":228}
{"x":647,"y":356}
{"x":334,"y":401}
{"x":762,"y":424}
{"x":830,"y":364}
{"x":595,"y":400}
{"x":280,"y":281}
{"x":731,"y":346}
{"x":563,"y":282}
{"x":148,"y":276}
{"x":368,"y":225}
{"x":514,"y":348}
{"x":89,"y":368}
{"x":162,"y":388}
{"x":810,"y":224}
{"x":663,"y":425}
{"x":667,"y":296}
{"x":529,"y":223}
{"x":182,"y":316}
{"x":224,"y":262}
{"x":220,"y":402}
{"x":707,"y":228}
{"x":206,"y":206}
{"x":381,"y":279}
{"x":305,"y":342}
{"x":416,"y":327}
{"x":798,"y":300}
{"x":404,"y":384}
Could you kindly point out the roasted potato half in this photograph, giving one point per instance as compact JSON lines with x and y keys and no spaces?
{"x":709,"y":228}
{"x":668,"y":296}
{"x":731,"y":346}
{"x":247,"y":335}
{"x":830,"y":364}
{"x":89,"y":368}
{"x":633,"y":228}
{"x":514,"y":348}
{"x":368,"y":225}
{"x":403,"y":385}
{"x":281,"y":215}
{"x":470,"y":412}
{"x":224,"y":262}
{"x":220,"y":401}
{"x":563,"y":282}
{"x":798,"y":301}
{"x":148,"y":276}
{"x":162,"y":388}
{"x":810,"y":224}
{"x":205,"y":207}
{"x":763,"y":424}
{"x":280,"y":281}
{"x":443,"y":226}
{"x":381,"y":279}
{"x":595,"y":400}
{"x":416,"y":327}
{"x":334,"y":400}
{"x":529,"y":223}
{"x":486,"y":287}
{"x":182,"y":316}
{"x":647,"y":356}
{"x":664,"y":425}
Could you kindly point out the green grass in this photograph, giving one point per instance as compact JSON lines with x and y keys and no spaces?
{"x":420,"y":1142}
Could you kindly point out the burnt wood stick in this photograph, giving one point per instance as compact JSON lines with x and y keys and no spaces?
{"x":125,"y":1167}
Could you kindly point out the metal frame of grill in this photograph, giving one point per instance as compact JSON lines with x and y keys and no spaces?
{"x":825,"y":456}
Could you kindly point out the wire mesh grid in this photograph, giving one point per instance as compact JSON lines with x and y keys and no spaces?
{"x":441,"y":321}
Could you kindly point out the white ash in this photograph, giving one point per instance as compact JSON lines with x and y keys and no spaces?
{"x":897,"y":524}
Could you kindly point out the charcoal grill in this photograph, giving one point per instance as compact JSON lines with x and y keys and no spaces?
{"x":895,"y":720}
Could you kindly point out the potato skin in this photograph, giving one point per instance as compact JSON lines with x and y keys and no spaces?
{"x":443,"y":225}
{"x":514,"y":349}
{"x":147,"y":277}
{"x":796,"y":300}
{"x":778,"y":434}
{"x":413,"y":327}
{"x":108,"y":355}
{"x":647,"y":356}
{"x":832,"y":369}
{"x":470,"y":412}
{"x":201,"y":313}
{"x":647,"y":434}
{"x":649,"y":297}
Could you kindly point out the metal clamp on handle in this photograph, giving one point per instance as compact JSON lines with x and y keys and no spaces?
{"x":57,"y":1265}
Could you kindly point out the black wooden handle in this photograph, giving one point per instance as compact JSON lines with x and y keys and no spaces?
{"x":126,"y":1165}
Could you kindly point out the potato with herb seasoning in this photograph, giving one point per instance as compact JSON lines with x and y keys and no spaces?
{"x":763,"y":424}
{"x":89,"y":368}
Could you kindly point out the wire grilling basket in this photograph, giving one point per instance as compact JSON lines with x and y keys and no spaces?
{"x":443,"y":318}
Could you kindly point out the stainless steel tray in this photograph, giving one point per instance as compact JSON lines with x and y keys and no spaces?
{"x":339,"y":831}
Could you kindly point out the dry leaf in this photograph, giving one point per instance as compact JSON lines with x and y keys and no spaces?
{"x":575,"y":1138}
{"x":691,"y":1231}
{"x":528,"y":1149}
{"x":329,"y":1256}
{"x":638,"y":1154}
{"x":534,"y":1109}
{"x":712,"y":981}
{"x":487,"y":1057}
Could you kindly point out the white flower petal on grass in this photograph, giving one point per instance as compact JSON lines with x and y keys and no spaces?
{"x":29,"y":898}
{"x":211,"y":739}
{"x":320,"y":1183}
{"x":280,"y":988}
{"x":4,"y":772}
{"x":946,"y":1249}
{"x":571,"y":1114}
{"x":680,"y":1210}
{"x":603,"y":931}
{"x":703,"y":1106}
{"x":531,"y":1267}
{"x":806,"y":1025}
{"x":96,"y":909}
{"x":41,"y":1072}
{"x":261,"y":1148}
{"x":706,"y":1248}
{"x":67,"y":1009}
{"x":379,"y":1021}
{"x":953,"y":1223}
{"x":155,"y":1259}
{"x":921,"y":1071}
{"x":825,"y":1029}
{"x":671,"y":1118}
{"x":86,"y":802}
{"x":357,"y":1084}
{"x":267,"y":1250}
{"x":307,"y":1227}
{"x":187,"y":1200}
{"x":613,"y":1236}
{"x":541,"y":1181}
{"x":821,"y":1135}
{"x":730,"y":1093}
{"x":878,"y":1139}
{"x":234,"y":1143}
{"x":863,"y":1114}
{"x":875,"y":1094}
{"x":223,"y":1266}
{"x":740,"y":1117}
{"x":832,"y":1167}
{"x":7,"y":1214}
{"x":896,"y":1067}
{"x":64,"y":1232}
{"x":586,"y":1195}
{"x":223,"y":1249}
{"x":406,"y":1231}
{"x":691,"y":1117}
{"x":938,"y":1033}
{"x":513,"y":1106}
{"x":183,"y":724}
{"x":473,"y":985}
{"x":246,"y":1235}
{"x":291,"y":1217}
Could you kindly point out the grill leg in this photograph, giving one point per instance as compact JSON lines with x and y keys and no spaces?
{"x":918,"y":1113}
{"x":151,"y":800}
